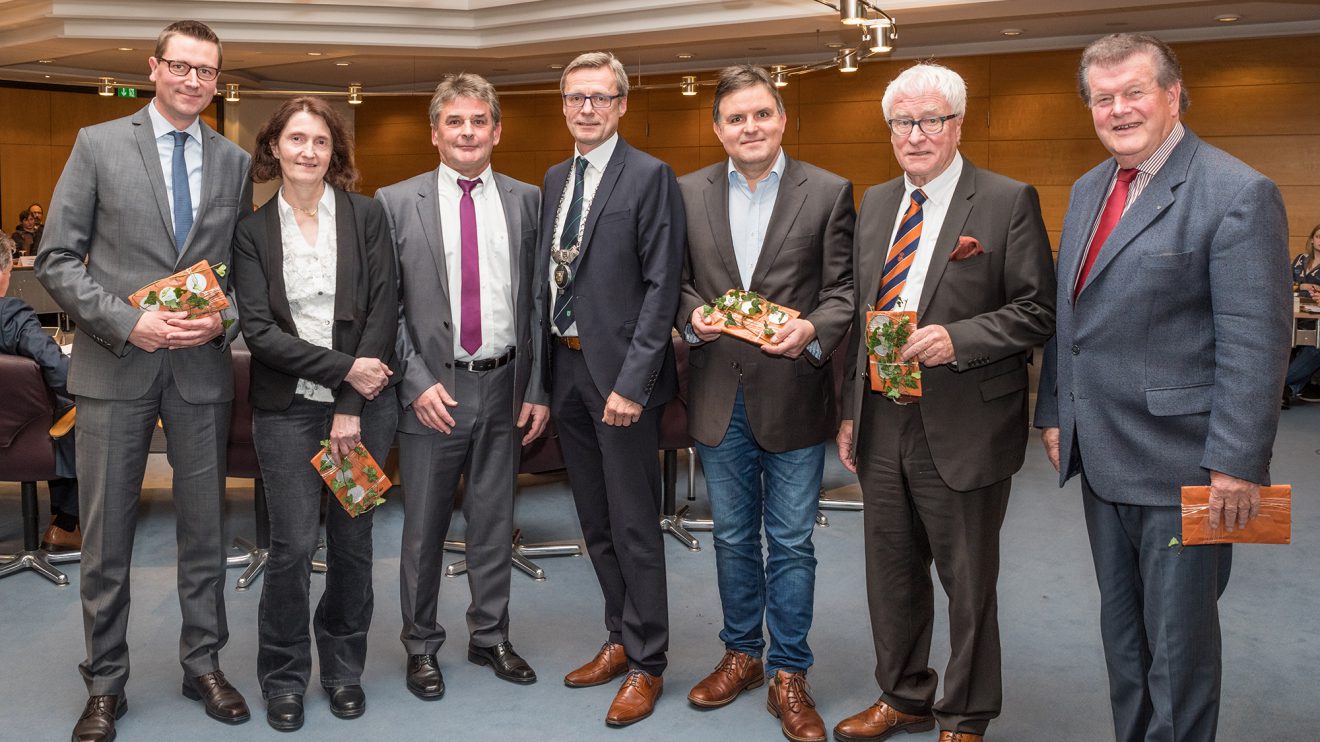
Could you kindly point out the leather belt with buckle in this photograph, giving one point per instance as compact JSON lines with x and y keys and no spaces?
{"x":573,"y":343}
{"x":486,"y":364}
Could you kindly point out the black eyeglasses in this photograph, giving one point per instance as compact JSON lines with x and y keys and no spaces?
{"x":928,"y":125}
{"x":181,"y":69}
{"x":598,"y":100}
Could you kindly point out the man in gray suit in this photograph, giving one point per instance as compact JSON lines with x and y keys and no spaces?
{"x":1166,"y":370}
{"x":470,"y":342}
{"x":764,"y":222}
{"x":140,"y":198}
{"x":967,"y":250}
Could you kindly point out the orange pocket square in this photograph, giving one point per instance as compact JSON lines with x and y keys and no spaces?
{"x":968,"y":247}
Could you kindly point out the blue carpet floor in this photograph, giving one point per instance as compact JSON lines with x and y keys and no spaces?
{"x":1054,"y":679}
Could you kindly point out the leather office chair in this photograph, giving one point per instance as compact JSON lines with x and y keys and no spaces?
{"x":849,"y":496}
{"x":674,"y":436}
{"x":27,"y":454}
{"x":538,"y":457}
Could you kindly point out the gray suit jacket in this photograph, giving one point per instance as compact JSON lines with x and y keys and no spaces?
{"x":1171,"y":362}
{"x":805,"y":263}
{"x":996,"y":306}
{"x":110,"y":233}
{"x":426,"y":335}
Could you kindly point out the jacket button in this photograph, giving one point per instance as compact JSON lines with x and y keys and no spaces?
{"x":1076,"y":349}
{"x":446,"y":325}
{"x":448,"y":365}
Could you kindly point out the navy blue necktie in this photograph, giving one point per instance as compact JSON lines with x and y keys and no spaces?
{"x":183,"y":215}
{"x":562,"y":315}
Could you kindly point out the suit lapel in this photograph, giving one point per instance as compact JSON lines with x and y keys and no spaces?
{"x":1082,"y":213}
{"x":513,"y":226}
{"x":960,"y":207}
{"x":346,"y":268}
{"x":1154,"y":200}
{"x":879,"y":222}
{"x":608,"y":180}
{"x":717,"y":212}
{"x":146,"y":140}
{"x":273,"y":257}
{"x":788,"y":202}
{"x":428,"y":216}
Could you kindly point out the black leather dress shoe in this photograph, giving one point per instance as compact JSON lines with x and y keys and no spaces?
{"x":222,"y":701}
{"x":424,"y":678}
{"x":347,"y":701}
{"x":285,"y":713}
{"x":504,"y":661}
{"x":97,"y":723}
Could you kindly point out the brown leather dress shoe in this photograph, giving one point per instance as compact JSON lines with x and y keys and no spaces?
{"x":222,"y":701}
{"x":608,"y":664}
{"x":947,"y":736}
{"x":97,"y":723}
{"x":636,"y":698}
{"x":791,"y":703}
{"x":880,"y":721}
{"x":736,"y":673}
{"x":58,"y":539}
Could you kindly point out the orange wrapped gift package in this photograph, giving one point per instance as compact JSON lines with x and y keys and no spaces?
{"x":886,"y":332}
{"x":1272,"y":526}
{"x":357,"y":481}
{"x":194,"y":290}
{"x":748,"y":316}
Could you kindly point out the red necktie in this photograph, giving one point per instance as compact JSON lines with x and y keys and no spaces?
{"x":1108,"y":220}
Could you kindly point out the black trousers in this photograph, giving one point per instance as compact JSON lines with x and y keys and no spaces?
{"x":615,"y":476}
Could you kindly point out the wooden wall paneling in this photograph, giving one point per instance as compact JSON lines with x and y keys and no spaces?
{"x":27,"y":116}
{"x":860,"y":162}
{"x":1250,"y":61}
{"x":838,"y":123}
{"x":1303,"y":206}
{"x":1053,"y":205}
{"x":1255,"y":109}
{"x":1045,"y":162}
{"x":673,"y":128}
{"x":1287,"y":160}
{"x":1040,"y":116}
{"x":1034,"y":73}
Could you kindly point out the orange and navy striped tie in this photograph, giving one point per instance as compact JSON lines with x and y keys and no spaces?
{"x":901,"y":254}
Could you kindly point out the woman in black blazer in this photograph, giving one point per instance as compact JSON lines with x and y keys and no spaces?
{"x":315,"y":278}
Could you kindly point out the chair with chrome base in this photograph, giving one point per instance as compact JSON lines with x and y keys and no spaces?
{"x":27,"y":454}
{"x":674,"y":437}
{"x":847,"y":497}
{"x":538,"y":457}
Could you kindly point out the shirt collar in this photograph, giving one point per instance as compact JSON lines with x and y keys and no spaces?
{"x":327,"y":203}
{"x":160,"y":127}
{"x":448,"y":178}
{"x":940,"y":188}
{"x":600,"y":156}
{"x":1151,"y":165}
{"x":776,"y":170}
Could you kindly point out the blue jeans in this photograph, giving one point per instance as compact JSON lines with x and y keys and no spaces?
{"x":1303,"y":366}
{"x":749,"y":486}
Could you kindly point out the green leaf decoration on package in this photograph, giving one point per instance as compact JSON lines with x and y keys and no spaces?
{"x":886,"y":334}
{"x":356,"y":480}
{"x":748,"y":315}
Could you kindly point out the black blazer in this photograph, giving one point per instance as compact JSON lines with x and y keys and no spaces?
{"x":366,"y":305}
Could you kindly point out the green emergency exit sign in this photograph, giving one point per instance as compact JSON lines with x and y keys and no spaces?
{"x":127,"y":92}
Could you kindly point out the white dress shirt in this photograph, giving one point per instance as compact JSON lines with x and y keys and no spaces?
{"x":939,"y":194}
{"x":192,"y":156}
{"x":596,"y":159}
{"x":309,"y":281}
{"x":493,"y":260}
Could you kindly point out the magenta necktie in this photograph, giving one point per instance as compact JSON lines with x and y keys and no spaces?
{"x":470,"y":316}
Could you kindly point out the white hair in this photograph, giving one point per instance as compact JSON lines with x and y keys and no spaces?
{"x":923,"y":78}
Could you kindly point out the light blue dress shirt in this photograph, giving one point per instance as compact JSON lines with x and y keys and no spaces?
{"x":749,"y":215}
{"x":192,"y":156}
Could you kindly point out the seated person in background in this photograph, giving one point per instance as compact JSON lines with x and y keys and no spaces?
{"x":1306,"y":274}
{"x":21,"y":335}
{"x":27,"y":237}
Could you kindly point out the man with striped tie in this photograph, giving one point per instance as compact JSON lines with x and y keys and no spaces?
{"x":966,"y":250}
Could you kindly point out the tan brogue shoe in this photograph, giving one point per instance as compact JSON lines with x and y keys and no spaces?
{"x":736,"y":673}
{"x":608,"y":664}
{"x":947,"y":736}
{"x":791,"y":703}
{"x":880,"y":721}
{"x":636,"y":698}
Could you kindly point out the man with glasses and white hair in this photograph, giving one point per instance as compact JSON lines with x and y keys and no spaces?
{"x":612,"y":230}
{"x":1172,"y":344}
{"x":966,"y":250}
{"x":143,"y":197}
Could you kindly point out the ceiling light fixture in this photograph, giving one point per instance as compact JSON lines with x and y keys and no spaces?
{"x":314,"y":54}
{"x":779,"y":76}
{"x":1228,"y":18}
{"x":355,"y":94}
{"x":231,"y":92}
{"x":45,"y":61}
{"x":125,"y":48}
{"x":848,"y":61}
{"x":341,"y":64}
{"x":683,"y":56}
{"x":556,"y":66}
{"x":852,"y":12}
{"x":107,"y":87}
{"x":689,"y":85}
{"x":1012,"y":32}
{"x":884,"y":37}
